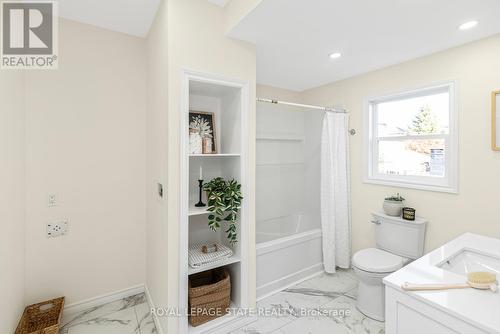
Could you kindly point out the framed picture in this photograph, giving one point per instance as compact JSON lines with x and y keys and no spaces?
{"x":202,"y":132}
{"x":495,"y":120}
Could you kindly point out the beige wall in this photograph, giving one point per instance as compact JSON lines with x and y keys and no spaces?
{"x":85,"y":126}
{"x":156,"y":148}
{"x":11,"y":199}
{"x":476,"y":69}
{"x":274,"y":93}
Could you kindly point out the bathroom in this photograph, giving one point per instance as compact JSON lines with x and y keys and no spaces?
{"x":106,"y":185}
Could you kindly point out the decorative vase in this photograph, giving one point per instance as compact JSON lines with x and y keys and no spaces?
{"x":393,"y":208}
{"x":195,"y":142}
{"x":207,"y":145}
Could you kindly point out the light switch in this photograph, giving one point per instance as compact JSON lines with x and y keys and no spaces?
{"x":52,"y":200}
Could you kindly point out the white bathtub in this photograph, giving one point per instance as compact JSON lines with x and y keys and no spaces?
{"x":288,"y":251}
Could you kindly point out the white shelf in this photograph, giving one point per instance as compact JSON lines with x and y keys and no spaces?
{"x":214,"y":323}
{"x":280,"y":137}
{"x":214,"y":155}
{"x":195,"y":211}
{"x":221,"y":263}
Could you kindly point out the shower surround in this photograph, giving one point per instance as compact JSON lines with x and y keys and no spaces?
{"x":288,"y":196}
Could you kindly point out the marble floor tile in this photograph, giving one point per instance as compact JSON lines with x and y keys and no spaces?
{"x":299,"y":301}
{"x":314,"y":306}
{"x":333,"y":285}
{"x":352,"y":293}
{"x":69,"y":319}
{"x":282,"y":308}
{"x":263,"y":325}
{"x":121,"y":322}
{"x":335,"y":320}
{"x":145,"y":319}
{"x":324,"y":298}
{"x":129,"y":315}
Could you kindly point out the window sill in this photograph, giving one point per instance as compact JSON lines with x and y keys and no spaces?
{"x":401,"y":184}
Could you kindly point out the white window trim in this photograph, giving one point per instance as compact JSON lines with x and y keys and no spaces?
{"x":450,"y":184}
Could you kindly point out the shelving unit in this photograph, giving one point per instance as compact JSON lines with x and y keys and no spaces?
{"x":229,"y":100}
{"x":222,"y":263}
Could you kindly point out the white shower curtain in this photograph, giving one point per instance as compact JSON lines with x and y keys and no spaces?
{"x":335,"y":192}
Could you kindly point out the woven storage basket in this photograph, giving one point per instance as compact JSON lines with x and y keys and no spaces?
{"x":41,"y":318}
{"x":209,"y":295}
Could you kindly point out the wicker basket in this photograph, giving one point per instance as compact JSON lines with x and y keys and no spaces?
{"x":209,"y":295}
{"x":41,"y":318}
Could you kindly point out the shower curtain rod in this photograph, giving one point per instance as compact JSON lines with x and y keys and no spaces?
{"x":336,"y":110}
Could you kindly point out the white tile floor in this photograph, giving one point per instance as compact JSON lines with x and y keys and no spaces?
{"x":334,"y":296}
{"x":127,"y":316}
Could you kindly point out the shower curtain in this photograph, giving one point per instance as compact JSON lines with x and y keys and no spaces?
{"x":335,"y":192}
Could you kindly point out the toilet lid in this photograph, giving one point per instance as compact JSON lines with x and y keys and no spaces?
{"x":377,"y":261}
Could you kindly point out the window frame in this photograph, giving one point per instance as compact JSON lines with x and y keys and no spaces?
{"x":371,"y":175}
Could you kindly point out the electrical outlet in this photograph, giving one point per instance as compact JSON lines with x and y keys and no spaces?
{"x":57,"y":229}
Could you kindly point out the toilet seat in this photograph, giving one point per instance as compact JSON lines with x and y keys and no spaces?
{"x":377,"y":261}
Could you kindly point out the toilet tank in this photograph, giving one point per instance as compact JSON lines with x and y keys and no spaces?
{"x":398,"y":236}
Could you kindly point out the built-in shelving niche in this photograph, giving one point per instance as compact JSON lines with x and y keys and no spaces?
{"x":229,"y":101}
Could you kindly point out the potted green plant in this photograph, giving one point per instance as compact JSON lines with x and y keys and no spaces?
{"x":224,"y":203}
{"x":393,"y":205}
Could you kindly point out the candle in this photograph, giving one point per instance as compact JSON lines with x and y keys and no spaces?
{"x":201,"y":173}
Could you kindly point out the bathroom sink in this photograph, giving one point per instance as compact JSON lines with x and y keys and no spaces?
{"x":466,"y":261}
{"x":463,"y":311}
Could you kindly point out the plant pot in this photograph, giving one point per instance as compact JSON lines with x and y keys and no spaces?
{"x":393,"y":208}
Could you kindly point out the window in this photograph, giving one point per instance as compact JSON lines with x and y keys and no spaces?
{"x":412,"y":139}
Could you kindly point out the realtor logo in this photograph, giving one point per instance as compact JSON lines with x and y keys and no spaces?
{"x":29,"y":35}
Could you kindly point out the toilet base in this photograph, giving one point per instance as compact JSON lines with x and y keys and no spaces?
{"x":371,"y":294}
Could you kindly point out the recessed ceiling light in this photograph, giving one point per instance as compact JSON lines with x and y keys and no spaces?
{"x":335,"y":55}
{"x":468,"y":25}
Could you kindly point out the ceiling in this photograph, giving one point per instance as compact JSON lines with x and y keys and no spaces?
{"x":295,"y":37}
{"x":132,"y":17}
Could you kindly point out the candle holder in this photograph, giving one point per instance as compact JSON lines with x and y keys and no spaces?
{"x":408,"y":213}
{"x":200,"y":203}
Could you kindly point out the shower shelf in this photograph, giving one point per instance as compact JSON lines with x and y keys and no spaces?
{"x":280,"y":137}
{"x":222,"y":263}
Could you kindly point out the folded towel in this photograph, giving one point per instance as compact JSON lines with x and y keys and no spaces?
{"x":198,"y":259}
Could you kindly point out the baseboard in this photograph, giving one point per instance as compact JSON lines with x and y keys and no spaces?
{"x":103,"y":299}
{"x":151,"y":304}
{"x":282,"y":283}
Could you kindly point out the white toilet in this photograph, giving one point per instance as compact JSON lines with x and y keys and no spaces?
{"x":398,"y":242}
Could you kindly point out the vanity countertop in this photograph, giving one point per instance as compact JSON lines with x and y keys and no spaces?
{"x":477,"y":307}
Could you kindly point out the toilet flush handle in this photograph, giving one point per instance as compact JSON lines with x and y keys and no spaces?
{"x":376,"y":222}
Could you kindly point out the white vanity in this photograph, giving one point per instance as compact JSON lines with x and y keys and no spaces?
{"x":466,"y":311}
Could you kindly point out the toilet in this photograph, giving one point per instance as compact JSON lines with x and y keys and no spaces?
{"x":398,"y":242}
